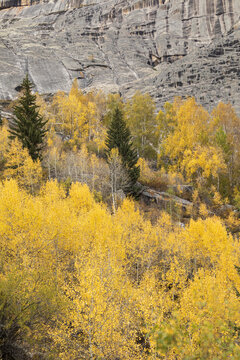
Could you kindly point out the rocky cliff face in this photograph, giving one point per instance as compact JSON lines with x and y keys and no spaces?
{"x":165,"y":47}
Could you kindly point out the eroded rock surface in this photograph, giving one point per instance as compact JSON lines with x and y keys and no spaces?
{"x":168,"y":48}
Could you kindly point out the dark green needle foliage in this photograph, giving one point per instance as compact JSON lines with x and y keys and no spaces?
{"x":28,"y":125}
{"x":118,"y":136}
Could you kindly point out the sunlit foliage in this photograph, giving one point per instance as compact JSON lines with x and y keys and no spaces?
{"x":79,"y":283}
{"x":203,"y":147}
{"x":78,"y":117}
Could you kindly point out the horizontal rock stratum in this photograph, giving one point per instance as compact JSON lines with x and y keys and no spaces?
{"x":166,"y":48}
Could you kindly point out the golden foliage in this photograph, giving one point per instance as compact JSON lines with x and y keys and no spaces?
{"x":77,"y":117}
{"x":96,"y":285}
{"x":20,"y":166}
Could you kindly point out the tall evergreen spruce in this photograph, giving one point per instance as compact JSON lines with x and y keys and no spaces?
{"x":118,"y":136}
{"x":28,"y":125}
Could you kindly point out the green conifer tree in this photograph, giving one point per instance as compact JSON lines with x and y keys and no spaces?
{"x":119,"y":137}
{"x":28,"y":125}
{"x":1,"y":120}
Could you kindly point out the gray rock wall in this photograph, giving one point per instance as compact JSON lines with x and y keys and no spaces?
{"x":5,"y":4}
{"x":168,"y":48}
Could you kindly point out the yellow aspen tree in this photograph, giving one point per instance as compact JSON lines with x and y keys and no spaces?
{"x":140,"y":117}
{"x":21,"y":167}
{"x":191,"y":130}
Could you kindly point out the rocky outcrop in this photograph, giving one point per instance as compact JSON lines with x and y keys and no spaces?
{"x":165,"y":47}
{"x":165,"y":201}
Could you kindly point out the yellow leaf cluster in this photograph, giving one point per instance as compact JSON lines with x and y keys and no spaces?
{"x":20,"y":166}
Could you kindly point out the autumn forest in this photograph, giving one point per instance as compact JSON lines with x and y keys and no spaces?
{"x":90,"y":270}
